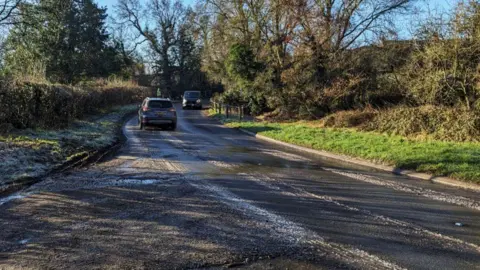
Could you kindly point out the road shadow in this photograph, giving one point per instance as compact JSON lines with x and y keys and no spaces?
{"x":163,"y":226}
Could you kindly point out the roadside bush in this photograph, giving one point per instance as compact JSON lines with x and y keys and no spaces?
{"x":442,"y":123}
{"x":444,"y":70}
{"x":230,"y":97}
{"x":348,"y":119}
{"x":41,"y":105}
{"x":433,"y":122}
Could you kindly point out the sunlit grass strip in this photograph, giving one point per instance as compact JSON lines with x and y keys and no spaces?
{"x":457,"y":160}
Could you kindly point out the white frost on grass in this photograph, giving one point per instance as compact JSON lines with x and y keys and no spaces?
{"x":17,"y":162}
{"x":34,"y":152}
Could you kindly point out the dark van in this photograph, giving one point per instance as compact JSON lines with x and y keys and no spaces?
{"x":192,"y":99}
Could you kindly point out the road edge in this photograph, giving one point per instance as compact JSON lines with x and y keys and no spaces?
{"x":412,"y":174}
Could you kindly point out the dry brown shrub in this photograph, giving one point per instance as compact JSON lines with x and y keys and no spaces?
{"x":348,"y":119}
{"x":437,"y":122}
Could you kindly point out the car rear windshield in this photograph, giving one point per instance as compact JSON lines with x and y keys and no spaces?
{"x":192,"y":94}
{"x":159,"y":104}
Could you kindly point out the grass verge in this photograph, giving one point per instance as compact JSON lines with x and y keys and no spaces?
{"x":31,"y":153}
{"x":454,"y":159}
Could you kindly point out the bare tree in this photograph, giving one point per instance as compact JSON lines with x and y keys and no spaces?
{"x":8,"y":10}
{"x":301,"y":44}
{"x":334,"y":25}
{"x":157,"y":24}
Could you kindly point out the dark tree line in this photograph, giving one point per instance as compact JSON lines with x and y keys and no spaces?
{"x":64,"y":41}
{"x":301,"y":58}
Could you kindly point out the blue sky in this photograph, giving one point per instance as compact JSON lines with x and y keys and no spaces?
{"x":110,"y":3}
{"x":442,"y":4}
{"x":404,"y":23}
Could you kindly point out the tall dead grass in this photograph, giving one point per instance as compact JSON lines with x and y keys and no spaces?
{"x":424,"y":122}
{"x":436,"y":122}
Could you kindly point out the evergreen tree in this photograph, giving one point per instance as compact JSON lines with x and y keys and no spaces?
{"x":66,"y":40}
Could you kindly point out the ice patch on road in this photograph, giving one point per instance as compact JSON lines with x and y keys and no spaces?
{"x":53,"y":186}
{"x":428,"y":193}
{"x":291,"y":232}
{"x":285,"y":155}
{"x":13,"y":197}
{"x":106,"y":182}
{"x":137,"y":181}
{"x":256,"y":180}
{"x":222,"y":164}
{"x":286,"y":229}
{"x":24,"y":241}
{"x":412,"y":228}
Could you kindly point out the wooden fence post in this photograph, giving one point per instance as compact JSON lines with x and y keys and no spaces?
{"x":230,"y":111}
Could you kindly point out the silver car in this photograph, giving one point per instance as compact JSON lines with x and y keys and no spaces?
{"x":158,"y":112}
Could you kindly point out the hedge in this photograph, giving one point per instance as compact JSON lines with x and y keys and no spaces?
{"x":37,"y":105}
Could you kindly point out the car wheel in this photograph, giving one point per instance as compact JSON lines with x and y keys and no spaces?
{"x":140,"y":125}
{"x":173,"y":126}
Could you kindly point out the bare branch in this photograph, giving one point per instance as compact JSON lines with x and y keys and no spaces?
{"x":8,"y":10}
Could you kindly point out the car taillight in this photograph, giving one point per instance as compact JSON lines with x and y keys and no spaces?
{"x":145,"y":109}
{"x":173,"y":111}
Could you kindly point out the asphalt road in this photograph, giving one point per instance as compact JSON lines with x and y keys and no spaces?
{"x":206,"y":196}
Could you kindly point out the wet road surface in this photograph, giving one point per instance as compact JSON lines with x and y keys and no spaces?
{"x":206,"y":196}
